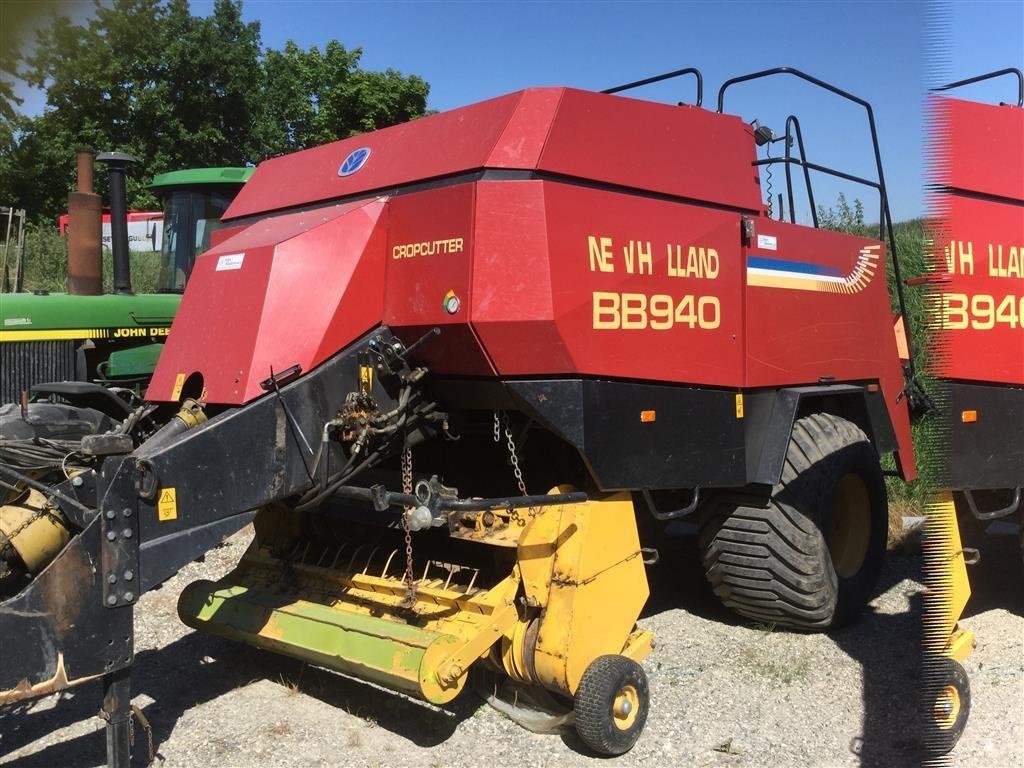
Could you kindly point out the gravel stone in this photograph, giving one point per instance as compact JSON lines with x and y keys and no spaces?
{"x":723,"y":693}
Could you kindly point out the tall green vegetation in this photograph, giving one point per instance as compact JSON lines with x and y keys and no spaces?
{"x":912,"y":252}
{"x":178,"y":91}
{"x":46,"y":263}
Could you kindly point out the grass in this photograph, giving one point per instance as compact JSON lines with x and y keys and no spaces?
{"x":901,"y":539}
{"x":912,"y":250}
{"x":46,"y":264}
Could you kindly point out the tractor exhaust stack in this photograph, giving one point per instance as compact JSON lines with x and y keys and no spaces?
{"x":117,"y":164}
{"x":85,"y":255}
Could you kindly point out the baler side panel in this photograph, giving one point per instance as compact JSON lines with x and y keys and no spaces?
{"x":818,"y":309}
{"x":513,"y":305}
{"x":429,"y":277}
{"x":642,"y":288}
{"x":982,"y":333}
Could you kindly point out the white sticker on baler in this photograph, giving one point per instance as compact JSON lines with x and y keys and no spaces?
{"x":767,"y":243}
{"x":230,"y":261}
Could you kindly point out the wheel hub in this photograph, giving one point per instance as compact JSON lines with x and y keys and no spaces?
{"x":947,"y":707}
{"x":625,"y":707}
{"x":850,"y":532}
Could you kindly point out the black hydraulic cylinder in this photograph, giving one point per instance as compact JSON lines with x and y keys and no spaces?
{"x":117,"y":164}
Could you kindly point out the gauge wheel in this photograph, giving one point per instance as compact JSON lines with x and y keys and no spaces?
{"x":947,"y":705}
{"x":611,"y":704}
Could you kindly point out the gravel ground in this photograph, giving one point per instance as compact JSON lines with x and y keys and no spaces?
{"x":723,"y":694}
{"x":995,"y":613}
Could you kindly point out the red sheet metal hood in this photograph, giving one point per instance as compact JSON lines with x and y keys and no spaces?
{"x":289,"y":290}
{"x":683,"y":151}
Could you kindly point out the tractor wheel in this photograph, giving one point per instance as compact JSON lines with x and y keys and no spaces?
{"x":947,"y":707}
{"x":809,"y":558}
{"x":611,"y":704}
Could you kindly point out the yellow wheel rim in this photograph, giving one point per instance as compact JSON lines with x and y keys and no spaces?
{"x":626,"y":707}
{"x":851,"y":526}
{"x":947,"y":707}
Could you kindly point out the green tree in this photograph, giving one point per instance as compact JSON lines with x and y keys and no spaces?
{"x":313,"y":97}
{"x":178,"y":91}
{"x":844,"y":217}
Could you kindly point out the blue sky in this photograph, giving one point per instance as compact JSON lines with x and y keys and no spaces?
{"x":471,"y":51}
{"x":988,"y":36}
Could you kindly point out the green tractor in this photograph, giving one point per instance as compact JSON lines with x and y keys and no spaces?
{"x":73,"y":365}
{"x":85,"y":337}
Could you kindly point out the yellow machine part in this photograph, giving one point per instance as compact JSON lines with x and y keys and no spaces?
{"x":946,"y":550}
{"x":35,"y":530}
{"x":581,"y":563}
{"x":572,"y":593}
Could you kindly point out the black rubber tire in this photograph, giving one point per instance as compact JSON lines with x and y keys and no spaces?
{"x":594,"y":704}
{"x":770,"y":561}
{"x":940,"y":740}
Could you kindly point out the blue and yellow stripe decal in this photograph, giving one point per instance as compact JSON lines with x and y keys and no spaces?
{"x":765,"y":272}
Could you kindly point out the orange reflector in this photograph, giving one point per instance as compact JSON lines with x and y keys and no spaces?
{"x":872,"y":387}
{"x":968,"y":417}
{"x":647,"y":416}
{"x":900,"y":330}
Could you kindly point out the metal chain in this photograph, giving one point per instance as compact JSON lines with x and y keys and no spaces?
{"x":144,"y":722}
{"x":497,"y":427}
{"x":514,"y":459}
{"x":410,"y":584}
{"x":34,"y":514}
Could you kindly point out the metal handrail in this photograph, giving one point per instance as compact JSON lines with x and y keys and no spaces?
{"x":793,"y":123}
{"x":989,"y":76}
{"x":666,"y":76}
{"x":885,"y":216}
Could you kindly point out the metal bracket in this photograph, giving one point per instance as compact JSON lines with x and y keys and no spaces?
{"x":673,"y":513}
{"x":995,"y":513}
{"x":119,"y":538}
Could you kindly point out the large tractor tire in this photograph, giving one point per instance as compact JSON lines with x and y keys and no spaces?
{"x":810,"y":557}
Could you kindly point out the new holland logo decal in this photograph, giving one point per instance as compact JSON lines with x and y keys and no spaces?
{"x":803,"y":276}
{"x":355,"y":160}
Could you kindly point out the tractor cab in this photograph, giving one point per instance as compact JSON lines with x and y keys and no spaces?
{"x":193,"y":202}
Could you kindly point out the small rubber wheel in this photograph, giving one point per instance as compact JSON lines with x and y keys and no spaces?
{"x":611,"y":704}
{"x":947,"y":706}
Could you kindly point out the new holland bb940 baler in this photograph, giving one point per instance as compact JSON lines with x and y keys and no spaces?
{"x":449,"y":363}
{"x":978,"y":218}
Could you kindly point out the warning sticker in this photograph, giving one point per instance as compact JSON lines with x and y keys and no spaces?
{"x":179,"y":382}
{"x":167,"y":506}
{"x":231,"y":261}
{"x":767,"y":242}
